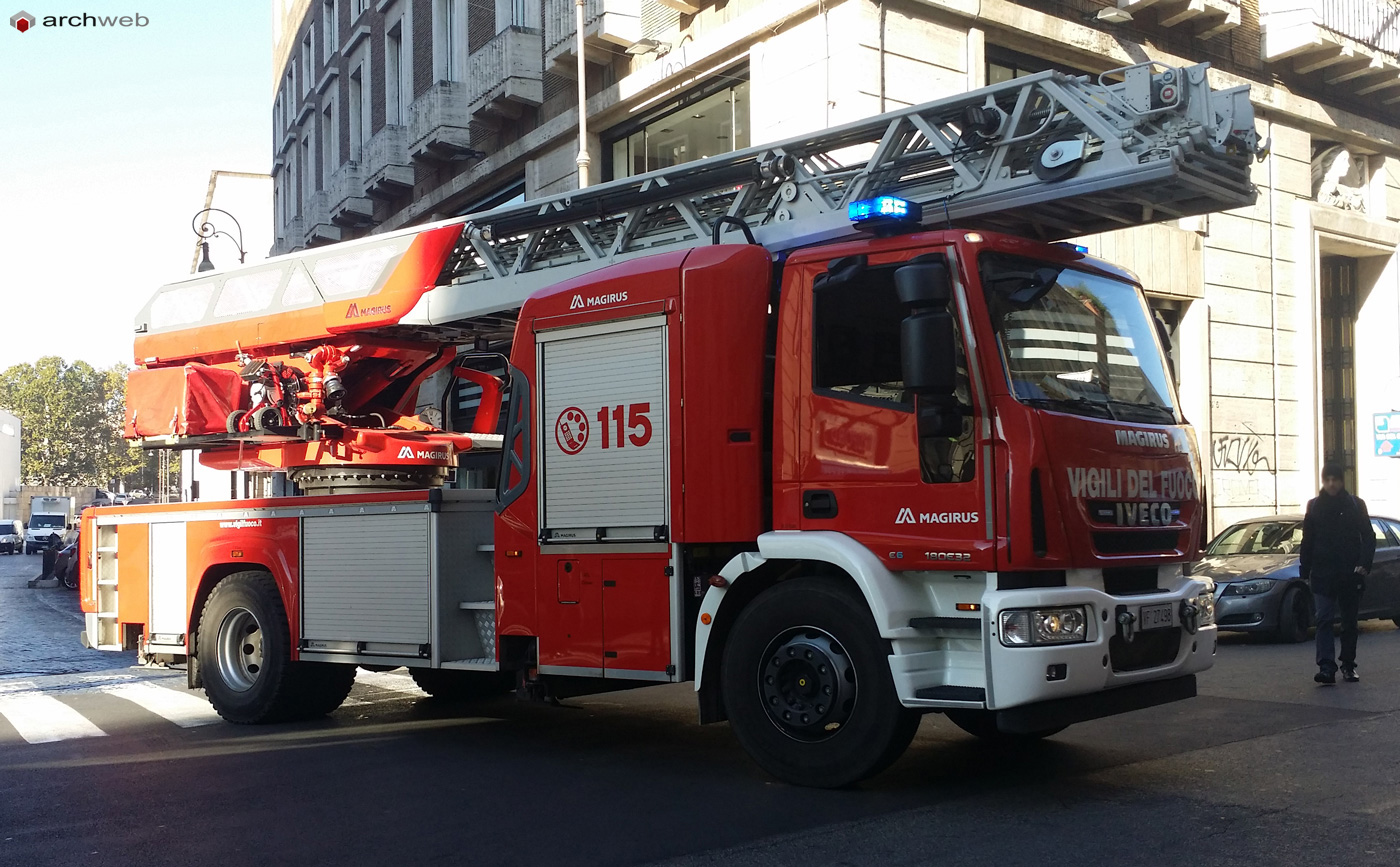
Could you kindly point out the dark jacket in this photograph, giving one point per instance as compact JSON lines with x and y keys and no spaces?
{"x":1337,"y":537}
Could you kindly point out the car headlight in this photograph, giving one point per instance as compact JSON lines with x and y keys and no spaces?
{"x":1205,"y":609}
{"x":1024,"y":627}
{"x":1249,"y":588}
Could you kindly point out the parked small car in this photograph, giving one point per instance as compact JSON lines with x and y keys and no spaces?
{"x":1254,"y":564}
{"x":11,"y":536}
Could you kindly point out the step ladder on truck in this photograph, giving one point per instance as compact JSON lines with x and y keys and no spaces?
{"x":837,"y":428}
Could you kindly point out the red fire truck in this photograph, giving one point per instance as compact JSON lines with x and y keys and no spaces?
{"x":836,"y":428}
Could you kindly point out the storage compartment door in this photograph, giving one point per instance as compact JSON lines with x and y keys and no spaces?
{"x":366,"y":584}
{"x":169,"y":594}
{"x":604,"y":432}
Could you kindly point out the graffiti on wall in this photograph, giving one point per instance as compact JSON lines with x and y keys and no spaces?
{"x":1239,"y":452}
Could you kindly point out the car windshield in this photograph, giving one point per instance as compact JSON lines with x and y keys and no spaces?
{"x":1258,"y":537}
{"x":45,"y":522}
{"x":1077,"y":342}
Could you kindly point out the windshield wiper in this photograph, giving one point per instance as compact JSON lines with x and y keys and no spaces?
{"x":1151,"y":408}
{"x":1100,"y":408}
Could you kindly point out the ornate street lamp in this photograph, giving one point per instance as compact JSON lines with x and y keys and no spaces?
{"x":206,"y":230}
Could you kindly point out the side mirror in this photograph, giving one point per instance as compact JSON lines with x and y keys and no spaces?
{"x":927,"y":354}
{"x":924,"y":284}
{"x":926,"y":334}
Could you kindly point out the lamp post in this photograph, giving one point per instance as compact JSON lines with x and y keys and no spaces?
{"x":206,"y":230}
{"x":583,"y":158}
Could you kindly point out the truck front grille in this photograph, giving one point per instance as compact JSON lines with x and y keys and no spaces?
{"x":1137,"y":541}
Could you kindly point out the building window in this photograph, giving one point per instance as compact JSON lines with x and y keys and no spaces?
{"x":357,"y":139}
{"x":307,"y":178}
{"x":713,"y":119}
{"x":330,"y":28}
{"x":395,"y":75}
{"x":1004,"y":65}
{"x":449,"y":40}
{"x":517,"y":13}
{"x":330,"y":143}
{"x":357,"y":8}
{"x":308,"y":61}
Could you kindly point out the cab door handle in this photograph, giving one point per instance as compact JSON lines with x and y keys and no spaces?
{"x":819,"y":504}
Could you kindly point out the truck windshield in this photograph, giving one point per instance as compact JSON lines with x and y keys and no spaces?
{"x":43,"y":522}
{"x":1076,"y":342}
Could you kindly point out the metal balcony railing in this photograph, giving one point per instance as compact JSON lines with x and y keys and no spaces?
{"x":1373,"y":23}
{"x":506,"y":71}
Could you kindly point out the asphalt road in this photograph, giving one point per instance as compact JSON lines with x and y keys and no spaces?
{"x":1263,"y":768}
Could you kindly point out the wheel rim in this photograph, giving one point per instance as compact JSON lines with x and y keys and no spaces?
{"x":240,"y":650}
{"x":807,"y":684}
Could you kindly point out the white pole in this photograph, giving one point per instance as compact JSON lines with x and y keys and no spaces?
{"x":583,"y":159}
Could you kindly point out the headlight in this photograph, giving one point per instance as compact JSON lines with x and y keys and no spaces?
{"x":1249,"y":588}
{"x":1038,"y":626}
{"x":1205,"y":609}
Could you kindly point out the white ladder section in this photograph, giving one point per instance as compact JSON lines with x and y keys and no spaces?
{"x":1046,"y":156}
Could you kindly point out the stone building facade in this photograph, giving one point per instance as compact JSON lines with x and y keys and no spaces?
{"x":1285,"y":316}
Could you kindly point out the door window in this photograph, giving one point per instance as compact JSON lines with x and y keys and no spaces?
{"x":856,"y":357}
{"x":1383,"y":537}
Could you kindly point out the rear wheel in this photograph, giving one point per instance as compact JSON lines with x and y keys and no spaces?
{"x":448,"y":685}
{"x":807,"y":686}
{"x":235,"y":418}
{"x":1294,"y":616}
{"x":983,"y":724}
{"x":245,"y":657}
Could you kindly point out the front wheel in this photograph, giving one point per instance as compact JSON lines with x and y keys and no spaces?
{"x":1294,"y":616}
{"x":807,"y":686}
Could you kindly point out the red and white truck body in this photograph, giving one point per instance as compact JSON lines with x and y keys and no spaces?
{"x":836,"y":483}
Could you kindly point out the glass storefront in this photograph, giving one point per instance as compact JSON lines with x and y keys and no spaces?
{"x":714,"y":123}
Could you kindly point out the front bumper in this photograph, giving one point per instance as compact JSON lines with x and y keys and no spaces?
{"x":978,"y":671}
{"x":1256,"y":613}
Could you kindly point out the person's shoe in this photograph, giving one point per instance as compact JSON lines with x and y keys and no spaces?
{"x":1325,"y":677}
{"x":1350,"y":675}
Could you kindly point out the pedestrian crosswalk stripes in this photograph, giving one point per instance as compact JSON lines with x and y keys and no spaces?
{"x":42,"y":719}
{"x":185,"y":709}
{"x":400,"y":683}
{"x":38,"y":709}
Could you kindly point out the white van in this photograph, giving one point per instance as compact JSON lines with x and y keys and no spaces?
{"x":11,"y":536}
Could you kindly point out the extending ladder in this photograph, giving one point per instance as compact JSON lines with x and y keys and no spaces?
{"x":1046,"y":156}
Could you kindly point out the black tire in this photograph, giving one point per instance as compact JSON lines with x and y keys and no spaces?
{"x":245,"y":657}
{"x":983,"y":724}
{"x":1294,"y":616}
{"x":320,"y":687}
{"x":266,"y":417}
{"x":231,"y":424}
{"x":447,"y":685}
{"x":70,"y":577}
{"x":819,"y":640}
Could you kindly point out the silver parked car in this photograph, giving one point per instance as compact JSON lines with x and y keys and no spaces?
{"x":1257,"y":589}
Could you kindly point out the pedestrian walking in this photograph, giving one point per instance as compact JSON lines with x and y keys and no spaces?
{"x":1335,"y":557}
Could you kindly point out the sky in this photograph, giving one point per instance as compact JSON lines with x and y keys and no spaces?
{"x":107,"y":139}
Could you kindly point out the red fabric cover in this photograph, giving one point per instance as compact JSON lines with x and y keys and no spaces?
{"x":190,"y":400}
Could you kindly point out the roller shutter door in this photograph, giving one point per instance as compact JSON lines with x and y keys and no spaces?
{"x":604,"y":433}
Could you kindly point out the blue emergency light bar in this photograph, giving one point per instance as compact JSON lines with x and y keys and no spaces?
{"x":885,"y":209}
{"x":1078,"y":248}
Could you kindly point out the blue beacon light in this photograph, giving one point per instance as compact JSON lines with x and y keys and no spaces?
{"x":885,"y":212}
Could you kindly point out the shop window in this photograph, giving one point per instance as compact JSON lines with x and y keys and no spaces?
{"x":710,"y":120}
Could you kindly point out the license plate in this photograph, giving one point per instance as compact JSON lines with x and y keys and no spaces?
{"x":1156,"y":616}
